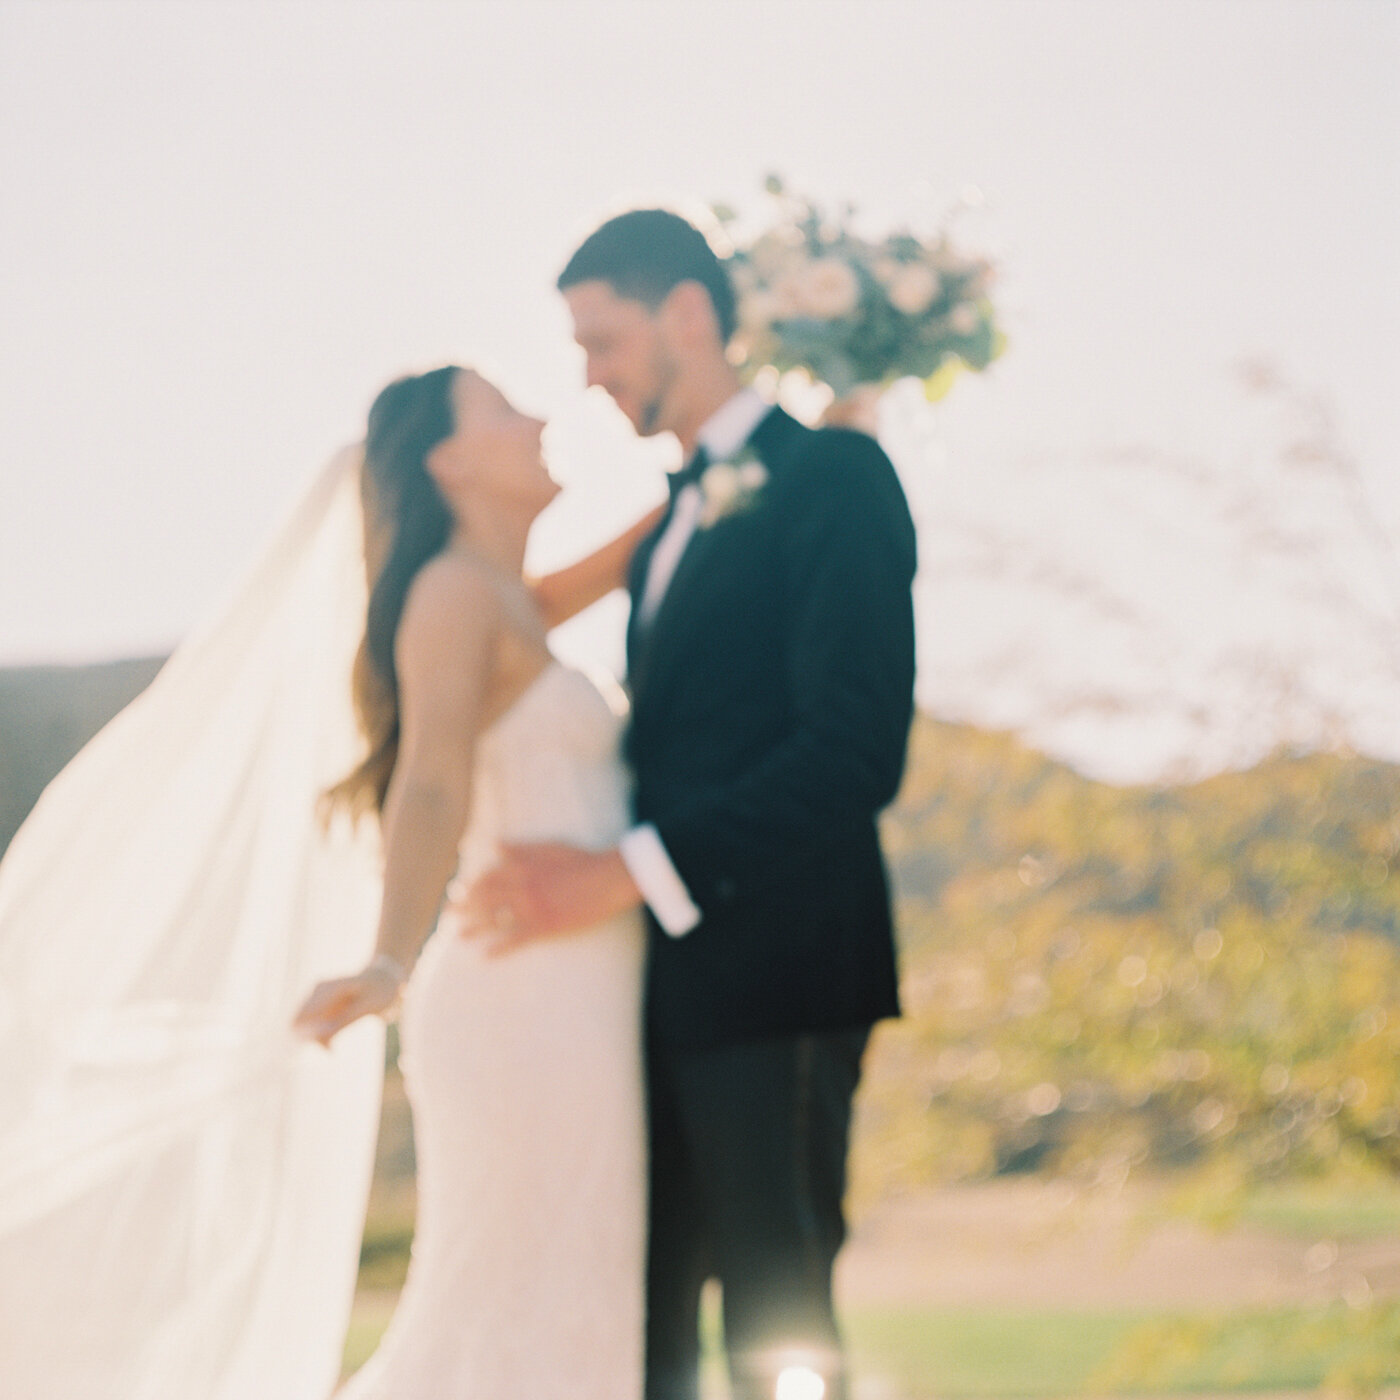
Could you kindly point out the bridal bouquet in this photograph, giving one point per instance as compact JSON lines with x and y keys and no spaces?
{"x":816,"y":295}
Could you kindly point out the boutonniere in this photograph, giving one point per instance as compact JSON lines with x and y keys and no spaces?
{"x":726,"y":488}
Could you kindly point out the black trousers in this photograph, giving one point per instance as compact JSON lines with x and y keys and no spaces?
{"x":748,"y":1170}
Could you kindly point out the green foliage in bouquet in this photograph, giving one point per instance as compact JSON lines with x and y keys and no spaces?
{"x":816,"y":295}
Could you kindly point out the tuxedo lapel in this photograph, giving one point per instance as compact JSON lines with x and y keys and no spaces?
{"x":636,"y":584}
{"x":639,"y":569}
{"x":659,"y":637}
{"x":658,"y":648}
{"x":691,"y":561}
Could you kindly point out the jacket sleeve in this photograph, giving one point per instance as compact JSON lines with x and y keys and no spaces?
{"x":848,"y":559}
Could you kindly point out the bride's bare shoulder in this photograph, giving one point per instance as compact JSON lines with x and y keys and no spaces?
{"x":454,"y":577}
{"x":453,"y":602}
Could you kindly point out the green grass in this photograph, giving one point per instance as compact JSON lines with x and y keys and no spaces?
{"x":996,"y":1353}
{"x":981,"y":1352}
{"x":988,"y":1354}
{"x":384,"y":1255}
{"x":372,"y":1311}
{"x":1318,"y":1209}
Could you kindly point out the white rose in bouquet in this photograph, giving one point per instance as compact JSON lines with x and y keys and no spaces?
{"x":773,"y":255}
{"x":828,"y":289}
{"x":817,"y":294}
{"x":914,"y":288}
{"x":964,"y":318}
{"x":788,"y":297}
{"x":745,"y":278}
{"x":757,"y":311}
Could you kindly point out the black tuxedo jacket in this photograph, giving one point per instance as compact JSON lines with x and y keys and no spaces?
{"x":772,"y":694}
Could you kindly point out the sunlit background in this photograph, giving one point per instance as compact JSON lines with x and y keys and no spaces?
{"x":227,"y":224}
{"x":1158,"y":540}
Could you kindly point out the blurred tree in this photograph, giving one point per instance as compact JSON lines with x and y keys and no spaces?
{"x":1102,"y":978}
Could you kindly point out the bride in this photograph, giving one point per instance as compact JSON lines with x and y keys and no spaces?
{"x":523,"y":1073}
{"x":182,"y":1178}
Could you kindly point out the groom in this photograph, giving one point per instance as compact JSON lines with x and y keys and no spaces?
{"x":771,"y":664}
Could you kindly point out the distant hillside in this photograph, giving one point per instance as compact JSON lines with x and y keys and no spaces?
{"x":1309,"y":837}
{"x":47,"y":713}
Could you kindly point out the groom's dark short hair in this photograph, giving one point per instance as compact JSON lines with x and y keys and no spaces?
{"x":644,"y":253}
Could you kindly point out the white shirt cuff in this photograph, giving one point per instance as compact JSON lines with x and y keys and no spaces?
{"x":657,"y":878}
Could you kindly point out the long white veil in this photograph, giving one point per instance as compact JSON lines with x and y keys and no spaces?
{"x":182,"y":1182}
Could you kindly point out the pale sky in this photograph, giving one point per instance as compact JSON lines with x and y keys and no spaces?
{"x":226,"y":225}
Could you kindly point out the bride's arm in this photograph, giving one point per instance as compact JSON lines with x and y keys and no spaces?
{"x":443,"y":657}
{"x":567,"y":591}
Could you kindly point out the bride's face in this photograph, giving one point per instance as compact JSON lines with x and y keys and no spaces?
{"x":494,"y":450}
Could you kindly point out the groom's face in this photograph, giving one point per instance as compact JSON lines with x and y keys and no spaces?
{"x":629,"y":353}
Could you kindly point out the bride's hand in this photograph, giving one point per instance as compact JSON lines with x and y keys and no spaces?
{"x":333,"y":1005}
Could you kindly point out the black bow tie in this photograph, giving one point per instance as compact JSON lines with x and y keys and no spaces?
{"x":676,"y":481}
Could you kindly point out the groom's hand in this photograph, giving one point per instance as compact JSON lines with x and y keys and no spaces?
{"x":544,"y":890}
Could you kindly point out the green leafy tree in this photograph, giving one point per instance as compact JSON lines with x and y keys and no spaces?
{"x":1100,"y":979}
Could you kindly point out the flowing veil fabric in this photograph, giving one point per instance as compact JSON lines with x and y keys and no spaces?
{"x":182,"y":1182}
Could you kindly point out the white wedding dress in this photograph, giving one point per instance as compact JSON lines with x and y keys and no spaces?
{"x":524,"y":1075}
{"x":182,"y":1180}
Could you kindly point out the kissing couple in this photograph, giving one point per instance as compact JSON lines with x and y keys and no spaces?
{"x":631,"y":1031}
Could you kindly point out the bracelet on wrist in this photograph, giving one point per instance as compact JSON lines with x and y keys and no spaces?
{"x":388,"y":963}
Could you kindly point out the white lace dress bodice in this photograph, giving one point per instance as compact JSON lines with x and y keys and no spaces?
{"x":524,"y":1075}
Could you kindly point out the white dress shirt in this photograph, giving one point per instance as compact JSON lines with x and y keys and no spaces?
{"x":644,"y":854}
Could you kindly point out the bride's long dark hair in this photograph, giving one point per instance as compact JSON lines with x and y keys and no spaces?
{"x":407,"y":522}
